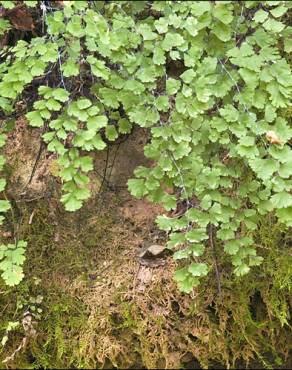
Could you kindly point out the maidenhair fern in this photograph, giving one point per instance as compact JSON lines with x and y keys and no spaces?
{"x":209,"y":79}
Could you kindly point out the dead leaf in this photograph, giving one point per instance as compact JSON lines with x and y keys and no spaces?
{"x":273,"y":138}
{"x":59,"y":4}
{"x":20,"y":18}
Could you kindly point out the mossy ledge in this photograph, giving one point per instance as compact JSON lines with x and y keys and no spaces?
{"x":95,"y":314}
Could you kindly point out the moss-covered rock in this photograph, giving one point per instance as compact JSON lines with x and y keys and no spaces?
{"x":100,"y":308}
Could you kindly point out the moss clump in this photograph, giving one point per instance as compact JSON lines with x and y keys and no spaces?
{"x":100,"y":308}
{"x":247,"y":326}
{"x":58,"y":269}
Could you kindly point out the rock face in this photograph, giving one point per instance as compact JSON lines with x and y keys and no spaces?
{"x":101,"y":294}
{"x":33,"y":170}
{"x":122,"y":159}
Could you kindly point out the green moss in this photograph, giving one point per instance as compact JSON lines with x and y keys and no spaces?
{"x":247,"y":326}
{"x":56,"y":267}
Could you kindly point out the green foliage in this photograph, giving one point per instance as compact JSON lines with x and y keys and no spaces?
{"x":12,"y":258}
{"x":11,"y":255}
{"x":219,"y":138}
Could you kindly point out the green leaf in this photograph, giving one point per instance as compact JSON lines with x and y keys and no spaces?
{"x":206,"y":202}
{"x":45,"y":91}
{"x":159,"y":56}
{"x":85,"y":163}
{"x":2,"y":162}
{"x":241,"y":270}
{"x":198,"y":269}
{"x":82,"y":193}
{"x":161,"y":25}
{"x":8,"y":4}
{"x":75,"y":27}
{"x":285,"y":215}
{"x":191,"y":25}
{"x":35,"y":119}
{"x":188,"y":75}
{"x":99,"y":68}
{"x":2,"y":140}
{"x":232,"y":246}
{"x":73,"y":110}
{"x":2,"y":184}
{"x":273,"y":26}
{"x":51,"y":54}
{"x":172,"y":86}
{"x":13,"y":276}
{"x":222,"y":31}
{"x":225,"y":234}
{"x":264,"y":168}
{"x":168,"y":201}
{"x":137,"y":187}
{"x":278,"y":11}
{"x":97,"y":122}
{"x":260,"y":16}
{"x":288,"y":45}
{"x":281,"y":200}
{"x":181,"y":275}
{"x":285,"y":170}
{"x":135,"y":86}
{"x":98,"y":143}
{"x":255,"y":260}
{"x":125,"y":126}
{"x":68,"y":173}
{"x":109,"y":97}
{"x":147,"y":74}
{"x":162,"y":103}
{"x":48,"y":136}
{"x":70,"y":68}
{"x":71,"y":202}
{"x":70,"y":124}
{"x":83,"y":103}
{"x":172,"y":40}
{"x":247,"y":148}
{"x":146,"y":32}
{"x":93,"y":110}
{"x":229,"y":113}
{"x":223,"y":12}
{"x":54,"y":105}
{"x":111,"y":132}
{"x":187,"y":285}
{"x":4,"y":205}
{"x":201,"y":7}
{"x":270,"y":113}
{"x":196,"y":235}
{"x":30,"y":3}
{"x":38,"y":68}
{"x":175,"y":239}
{"x":182,"y":254}
{"x":163,"y":222}
{"x":197,"y":249}
{"x":61,"y":95}
{"x":15,"y":256}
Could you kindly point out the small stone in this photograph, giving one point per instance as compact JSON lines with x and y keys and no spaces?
{"x":156,"y":249}
{"x":152,"y":251}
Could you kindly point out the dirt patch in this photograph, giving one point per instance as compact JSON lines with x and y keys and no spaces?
{"x":29,"y":164}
